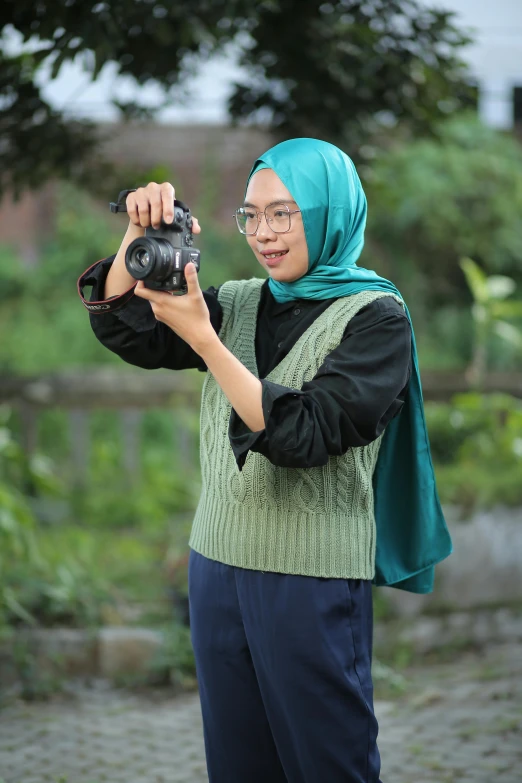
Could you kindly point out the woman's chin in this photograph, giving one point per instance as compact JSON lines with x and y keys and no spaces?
{"x":282,"y":275}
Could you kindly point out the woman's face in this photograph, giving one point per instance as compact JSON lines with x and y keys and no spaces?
{"x":266,"y":188}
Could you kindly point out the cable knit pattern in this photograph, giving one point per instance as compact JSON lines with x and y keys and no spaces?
{"x":315,"y":521}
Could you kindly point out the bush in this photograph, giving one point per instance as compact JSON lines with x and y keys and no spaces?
{"x":167,"y":482}
{"x":174,"y":663}
{"x":110,"y":499}
{"x":33,"y":589}
{"x":476,"y":444}
{"x":435,"y":200}
{"x":73,"y":594}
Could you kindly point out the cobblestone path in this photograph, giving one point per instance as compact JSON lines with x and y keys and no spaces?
{"x":458,"y":722}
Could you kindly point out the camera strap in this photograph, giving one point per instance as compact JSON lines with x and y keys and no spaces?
{"x":104,"y":305}
{"x":117,"y":301}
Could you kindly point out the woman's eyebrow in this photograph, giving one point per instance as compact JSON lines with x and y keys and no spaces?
{"x":272,"y":203}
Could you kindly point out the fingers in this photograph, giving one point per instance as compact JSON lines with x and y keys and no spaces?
{"x":138,"y":207}
{"x":140,"y":290}
{"x":167,"y":199}
{"x":156,"y":297}
{"x":149,"y":293}
{"x":147,"y":206}
{"x":143,"y":205}
{"x":156,"y":207}
{"x":132,"y":209}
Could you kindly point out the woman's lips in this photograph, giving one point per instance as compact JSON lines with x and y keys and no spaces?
{"x":270,"y":262}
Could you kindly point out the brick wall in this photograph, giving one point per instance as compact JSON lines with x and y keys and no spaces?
{"x":24,"y":223}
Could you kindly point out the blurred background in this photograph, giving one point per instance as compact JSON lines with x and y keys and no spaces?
{"x":99,"y":472}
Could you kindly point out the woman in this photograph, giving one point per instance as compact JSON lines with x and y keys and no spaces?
{"x":317,"y":477}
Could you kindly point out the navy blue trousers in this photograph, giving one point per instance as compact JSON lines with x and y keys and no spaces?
{"x":283,"y":665}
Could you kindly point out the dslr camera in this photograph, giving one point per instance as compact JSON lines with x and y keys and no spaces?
{"x":160,"y":257}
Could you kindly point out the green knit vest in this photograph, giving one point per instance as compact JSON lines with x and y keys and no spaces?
{"x":312,"y":521}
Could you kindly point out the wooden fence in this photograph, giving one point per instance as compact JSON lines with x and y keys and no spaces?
{"x":130,"y":393}
{"x":79,"y":393}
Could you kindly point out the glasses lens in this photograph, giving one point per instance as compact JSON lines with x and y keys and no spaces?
{"x":246,"y":219}
{"x":278,"y":217}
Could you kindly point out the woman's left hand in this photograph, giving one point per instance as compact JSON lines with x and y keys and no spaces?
{"x":186,"y":315}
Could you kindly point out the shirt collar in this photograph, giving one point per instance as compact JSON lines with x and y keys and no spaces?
{"x":275,"y":307}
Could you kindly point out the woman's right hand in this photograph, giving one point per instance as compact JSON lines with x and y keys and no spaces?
{"x":148,"y":206}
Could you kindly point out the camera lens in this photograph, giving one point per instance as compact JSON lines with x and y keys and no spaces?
{"x":142,"y":257}
{"x":150,"y":259}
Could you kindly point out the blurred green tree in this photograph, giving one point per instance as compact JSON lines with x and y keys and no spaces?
{"x":342,"y":70}
{"x":434,"y":202}
{"x":350,"y":70}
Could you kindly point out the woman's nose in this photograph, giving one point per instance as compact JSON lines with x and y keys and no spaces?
{"x":264,"y":228}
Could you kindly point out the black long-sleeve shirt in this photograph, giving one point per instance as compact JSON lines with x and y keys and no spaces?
{"x":358,"y":389}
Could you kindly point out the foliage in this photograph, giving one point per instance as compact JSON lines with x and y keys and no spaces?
{"x":109,"y":498}
{"x":490,"y":310}
{"x":55,"y":572}
{"x":387,"y":680}
{"x":166,"y":484}
{"x":174,"y":662}
{"x":434,"y":202}
{"x":34,"y":589}
{"x":388,"y":61}
{"x":47,"y":326}
{"x":37,"y":141}
{"x":444,"y":337}
{"x":72,"y":593}
{"x":17,"y":524}
{"x":476,"y":444}
{"x":131,"y":561}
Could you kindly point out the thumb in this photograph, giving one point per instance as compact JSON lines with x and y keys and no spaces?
{"x":191,"y":277}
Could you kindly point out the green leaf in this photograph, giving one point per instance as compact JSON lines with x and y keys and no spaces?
{"x":509,"y":309}
{"x":14,"y":606}
{"x":476,"y":280}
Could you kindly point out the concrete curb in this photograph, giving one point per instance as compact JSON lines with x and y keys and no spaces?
{"x":114,"y":652}
{"x":108,"y":652}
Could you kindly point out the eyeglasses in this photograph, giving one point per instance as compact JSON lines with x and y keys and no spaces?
{"x":277,"y":217}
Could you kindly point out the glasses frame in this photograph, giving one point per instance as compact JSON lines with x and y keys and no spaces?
{"x":253,"y":233}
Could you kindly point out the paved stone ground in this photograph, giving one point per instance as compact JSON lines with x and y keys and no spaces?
{"x":457,"y":722}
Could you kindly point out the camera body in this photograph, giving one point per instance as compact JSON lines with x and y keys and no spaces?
{"x":160,"y":257}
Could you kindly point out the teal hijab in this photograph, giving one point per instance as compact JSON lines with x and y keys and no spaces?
{"x":412,"y":535}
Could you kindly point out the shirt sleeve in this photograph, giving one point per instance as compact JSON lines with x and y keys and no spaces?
{"x":133,"y":333}
{"x":358,"y":389}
